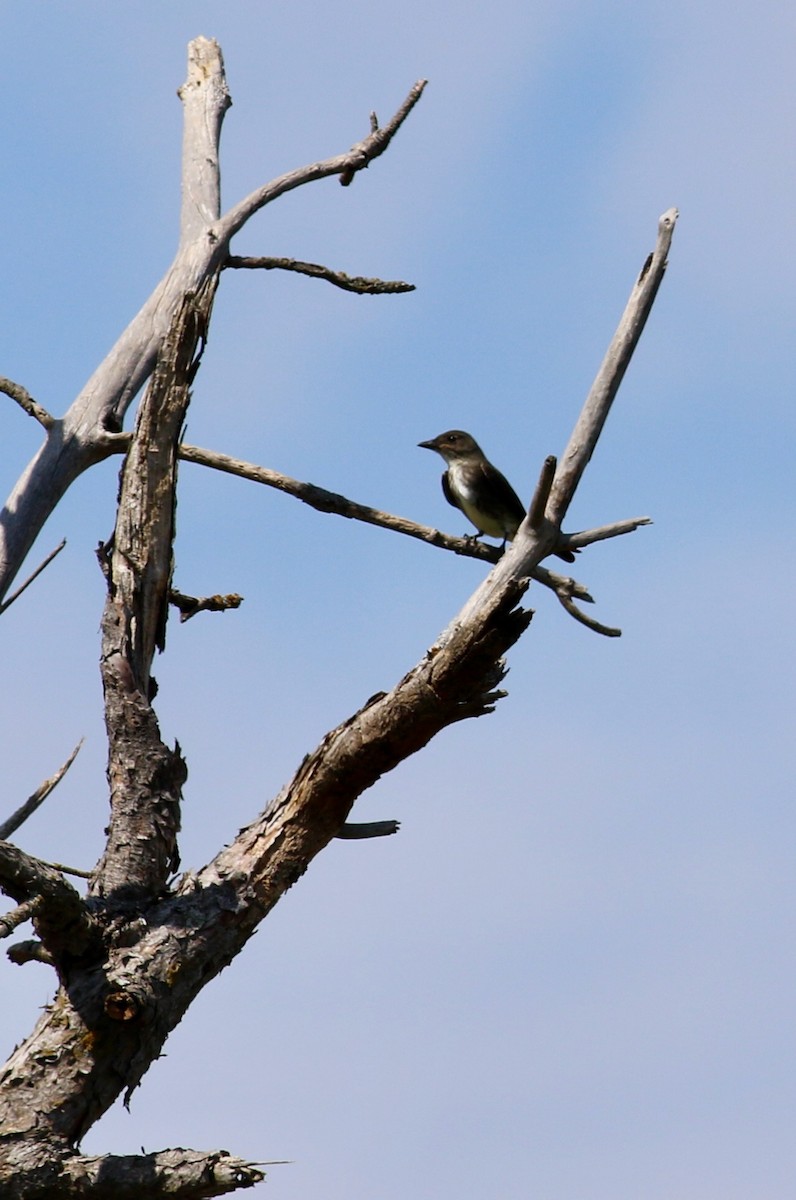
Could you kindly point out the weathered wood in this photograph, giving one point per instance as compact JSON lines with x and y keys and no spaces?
{"x":144,"y":774}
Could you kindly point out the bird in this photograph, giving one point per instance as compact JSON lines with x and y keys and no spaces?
{"x":472,"y":484}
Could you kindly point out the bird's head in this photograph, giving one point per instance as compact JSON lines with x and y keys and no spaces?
{"x":455,"y":444}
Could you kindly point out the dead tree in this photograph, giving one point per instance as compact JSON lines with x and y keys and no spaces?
{"x":133,"y":952}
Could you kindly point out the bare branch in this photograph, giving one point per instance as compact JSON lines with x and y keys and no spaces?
{"x":363,"y":153}
{"x":29,"y":951}
{"x":589,"y":622}
{"x":345,"y":165}
{"x":146,"y":776}
{"x":587,"y":537}
{"x":78,"y":872}
{"x":355,"y":830}
{"x":562,"y":584}
{"x":205,"y":100}
{"x":19,"y":915}
{"x":170,"y":1174}
{"x":61,"y":919}
{"x":538,"y":504}
{"x":189,"y":606}
{"x":25,"y":401}
{"x":39,"y":796}
{"x":598,"y":403}
{"x":176,"y":1174}
{"x":349,"y":283}
{"x":7,"y":603}
{"x":458,"y":678}
{"x":332,"y":502}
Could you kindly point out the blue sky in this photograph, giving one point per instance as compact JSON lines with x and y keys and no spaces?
{"x":571,"y":974}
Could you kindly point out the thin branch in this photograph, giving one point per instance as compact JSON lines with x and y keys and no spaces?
{"x":345,"y":165}
{"x":355,"y":830}
{"x":39,"y":796}
{"x":598,"y":403}
{"x":189,"y":606}
{"x":562,"y":585}
{"x":332,"y":502}
{"x":349,"y":283}
{"x":78,"y":872}
{"x":62,"y":920}
{"x":162,"y":1174}
{"x":10,"y":600}
{"x":363,"y":153}
{"x":29,"y":951}
{"x":538,"y":503}
{"x":25,"y":401}
{"x":19,"y":915}
{"x":589,"y":622}
{"x":587,"y":537}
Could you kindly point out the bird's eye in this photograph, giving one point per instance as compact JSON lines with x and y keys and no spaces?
{"x":451,"y":437}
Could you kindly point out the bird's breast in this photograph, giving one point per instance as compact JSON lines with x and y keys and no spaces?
{"x":460,"y":482}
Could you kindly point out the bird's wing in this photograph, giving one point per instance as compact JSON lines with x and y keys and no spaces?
{"x":448,"y":492}
{"x":502,"y":491}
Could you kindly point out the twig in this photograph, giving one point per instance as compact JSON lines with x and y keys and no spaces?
{"x":15,"y":596}
{"x":363,"y":153}
{"x":540,"y":496}
{"x":587,"y":537}
{"x":349,"y":283}
{"x":29,"y":951}
{"x":62,"y":920}
{"x":158,"y":1175}
{"x":39,"y":796}
{"x":536,"y":510}
{"x":25,"y":401}
{"x":354,"y":830}
{"x":19,"y":915}
{"x":598,"y":403}
{"x":77,"y":871}
{"x":589,"y":622}
{"x":189,"y":606}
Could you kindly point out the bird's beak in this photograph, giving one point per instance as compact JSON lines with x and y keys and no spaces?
{"x":427,"y":445}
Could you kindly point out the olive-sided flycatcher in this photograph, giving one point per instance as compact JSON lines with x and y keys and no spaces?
{"x":473,"y":485}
